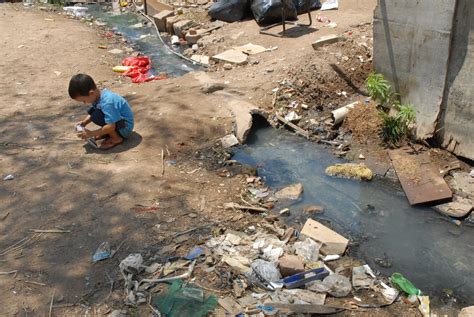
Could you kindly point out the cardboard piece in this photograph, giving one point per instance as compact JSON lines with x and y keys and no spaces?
{"x":333,"y":242}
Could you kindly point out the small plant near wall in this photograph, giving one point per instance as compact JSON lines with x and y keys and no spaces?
{"x":398,"y":123}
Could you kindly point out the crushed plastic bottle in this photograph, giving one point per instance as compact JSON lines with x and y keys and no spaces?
{"x":405,"y":285}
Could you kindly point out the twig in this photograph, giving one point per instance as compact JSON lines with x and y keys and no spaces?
{"x":190,"y":230}
{"x":35,"y":283}
{"x":8,"y":273}
{"x":118,"y":248}
{"x":50,"y":231}
{"x":162,"y":162}
{"x":51,"y":305}
{"x":251,"y":208}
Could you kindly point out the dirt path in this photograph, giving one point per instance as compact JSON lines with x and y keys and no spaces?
{"x":60,"y":184}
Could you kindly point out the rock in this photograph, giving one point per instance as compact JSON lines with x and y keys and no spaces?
{"x":290,"y":265}
{"x":328,"y":39}
{"x":209,"y":88}
{"x":118,"y":313}
{"x":337,"y":285}
{"x":201,"y":59}
{"x":467,"y":312}
{"x":350,"y":170}
{"x":292,"y":192}
{"x":229,"y":141}
{"x":180,"y":26}
{"x":332,"y":242}
{"x":238,"y":263}
{"x":313,"y":209}
{"x":195,"y":47}
{"x":308,"y":249}
{"x":231,"y":56}
{"x":160,"y":19}
{"x":242,"y":112}
{"x":115,"y":51}
{"x":457,"y":209}
{"x":267,"y":270}
{"x":227,"y":66}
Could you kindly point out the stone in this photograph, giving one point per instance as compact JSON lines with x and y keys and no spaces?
{"x":229,"y":141}
{"x":290,"y":265}
{"x":231,"y":56}
{"x":160,"y":19}
{"x":209,"y":88}
{"x":327,"y":39}
{"x":467,"y":312}
{"x":251,"y":49}
{"x":308,"y":249}
{"x":456,"y":209}
{"x":227,"y":66}
{"x":180,"y":26}
{"x":292,"y":192}
{"x":115,"y":51}
{"x":193,"y":36}
{"x":195,"y":47}
{"x":332,"y":242}
{"x":203,"y":59}
{"x":170,"y":21}
{"x":242,"y":113}
{"x":313,"y":209}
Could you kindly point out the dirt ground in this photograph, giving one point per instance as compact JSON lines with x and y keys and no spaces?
{"x":120,"y":196}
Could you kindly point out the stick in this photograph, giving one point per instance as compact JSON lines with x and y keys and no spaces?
{"x":297,"y":129}
{"x":162,"y":162}
{"x":236,"y":206}
{"x":8,"y":273}
{"x":190,"y":230}
{"x":35,"y":283}
{"x":50,"y":231}
{"x":51,"y":305}
{"x":154,"y":311}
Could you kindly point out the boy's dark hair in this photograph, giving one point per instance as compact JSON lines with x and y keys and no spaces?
{"x":80,"y":85}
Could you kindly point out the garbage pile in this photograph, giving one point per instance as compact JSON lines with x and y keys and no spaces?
{"x":271,"y":270}
{"x":264,"y":11}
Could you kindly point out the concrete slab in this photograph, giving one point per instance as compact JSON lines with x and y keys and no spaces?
{"x":250,"y":49}
{"x":231,"y":56}
{"x":420,"y":179}
{"x":203,"y":59}
{"x":170,"y":23}
{"x":456,"y":209}
{"x":327,"y":39}
{"x":160,"y":19}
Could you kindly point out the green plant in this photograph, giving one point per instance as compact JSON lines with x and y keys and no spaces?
{"x":379,"y":88}
{"x":397,"y":127}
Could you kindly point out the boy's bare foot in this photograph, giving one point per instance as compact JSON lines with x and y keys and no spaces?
{"x":110,"y":143}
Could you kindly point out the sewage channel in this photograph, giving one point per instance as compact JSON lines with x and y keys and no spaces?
{"x":143,"y":39}
{"x":421,"y":244}
{"x":416,"y":241}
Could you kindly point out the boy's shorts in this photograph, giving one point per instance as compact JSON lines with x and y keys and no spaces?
{"x":122,"y":129}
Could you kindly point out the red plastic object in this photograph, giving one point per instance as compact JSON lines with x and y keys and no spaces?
{"x":139,"y":71}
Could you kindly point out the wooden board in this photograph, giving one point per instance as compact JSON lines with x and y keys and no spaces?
{"x":420,"y":179}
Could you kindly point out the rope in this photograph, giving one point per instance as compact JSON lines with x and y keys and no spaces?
{"x":163,"y":42}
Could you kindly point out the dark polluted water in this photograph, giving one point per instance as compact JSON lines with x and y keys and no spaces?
{"x":143,"y":39}
{"x":418,"y":242}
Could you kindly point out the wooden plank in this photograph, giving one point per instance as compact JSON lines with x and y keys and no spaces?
{"x":420,"y":179}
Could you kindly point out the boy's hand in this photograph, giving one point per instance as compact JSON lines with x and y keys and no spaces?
{"x":84,"y":134}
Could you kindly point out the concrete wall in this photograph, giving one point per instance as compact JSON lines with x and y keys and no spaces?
{"x":424,"y":48}
{"x":456,"y":124}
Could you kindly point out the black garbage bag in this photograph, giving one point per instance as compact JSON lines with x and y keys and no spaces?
{"x":302,"y":5}
{"x":269,"y":11}
{"x":230,"y":10}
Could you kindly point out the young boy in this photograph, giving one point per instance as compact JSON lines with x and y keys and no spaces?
{"x":108,"y":110}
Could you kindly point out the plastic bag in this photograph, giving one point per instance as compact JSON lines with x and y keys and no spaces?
{"x":302,"y":5}
{"x":265,"y":269}
{"x":138,"y":71}
{"x":269,"y":11}
{"x":230,"y":10}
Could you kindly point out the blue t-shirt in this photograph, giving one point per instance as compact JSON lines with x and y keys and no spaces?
{"x":116,"y":108}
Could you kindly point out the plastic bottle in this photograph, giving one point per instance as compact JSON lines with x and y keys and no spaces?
{"x":405,"y":285}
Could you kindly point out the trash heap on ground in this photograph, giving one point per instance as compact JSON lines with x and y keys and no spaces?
{"x":269,"y":269}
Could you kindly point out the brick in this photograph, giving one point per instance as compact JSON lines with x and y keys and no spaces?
{"x":328,"y":39}
{"x":194,"y":38}
{"x":160,"y":19}
{"x":333,"y":243}
{"x":180,"y":26}
{"x":170,"y":22}
{"x":290,"y":265}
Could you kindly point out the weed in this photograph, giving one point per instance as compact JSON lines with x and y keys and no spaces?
{"x":397,"y":127}
{"x":379,"y":88}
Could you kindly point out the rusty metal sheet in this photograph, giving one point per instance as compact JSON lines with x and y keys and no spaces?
{"x":420,"y":179}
